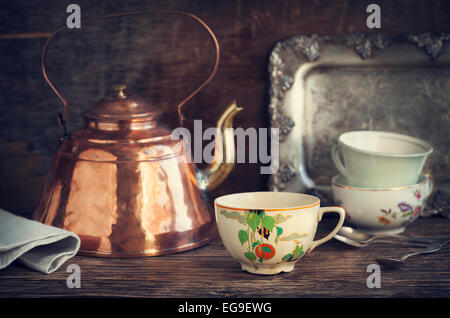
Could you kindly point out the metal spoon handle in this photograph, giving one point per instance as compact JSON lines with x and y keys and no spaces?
{"x":407,"y":238}
{"x":406,"y":243}
{"x":393,"y":263}
{"x":349,"y":241}
{"x":430,"y":249}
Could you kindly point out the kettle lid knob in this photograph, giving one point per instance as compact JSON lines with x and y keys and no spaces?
{"x":122,"y":107}
{"x":120,"y":90}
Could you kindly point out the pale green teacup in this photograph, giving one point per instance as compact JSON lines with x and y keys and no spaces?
{"x":378,"y":159}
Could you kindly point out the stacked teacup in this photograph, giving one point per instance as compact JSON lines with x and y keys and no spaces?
{"x":381,"y":185}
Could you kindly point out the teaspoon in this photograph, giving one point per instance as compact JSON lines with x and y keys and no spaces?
{"x":359,"y":238}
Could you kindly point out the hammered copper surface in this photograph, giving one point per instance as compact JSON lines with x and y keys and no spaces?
{"x":124,"y":185}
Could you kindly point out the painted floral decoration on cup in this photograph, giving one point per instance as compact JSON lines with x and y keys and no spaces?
{"x":267,"y":232}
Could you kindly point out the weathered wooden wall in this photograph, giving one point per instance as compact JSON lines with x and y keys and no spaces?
{"x":161,"y":58}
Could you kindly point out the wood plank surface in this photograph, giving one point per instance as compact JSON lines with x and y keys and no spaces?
{"x":332,"y":270}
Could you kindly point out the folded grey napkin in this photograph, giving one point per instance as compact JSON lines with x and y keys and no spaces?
{"x":38,"y":246}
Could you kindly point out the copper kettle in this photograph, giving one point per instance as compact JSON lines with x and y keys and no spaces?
{"x":119,"y":183}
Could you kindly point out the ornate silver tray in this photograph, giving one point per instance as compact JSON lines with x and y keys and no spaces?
{"x":322,"y":86}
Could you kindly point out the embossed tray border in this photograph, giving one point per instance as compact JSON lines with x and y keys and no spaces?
{"x":288,"y":55}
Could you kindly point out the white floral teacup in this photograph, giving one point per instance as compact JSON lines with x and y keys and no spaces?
{"x":382,"y":210}
{"x":268,"y":232}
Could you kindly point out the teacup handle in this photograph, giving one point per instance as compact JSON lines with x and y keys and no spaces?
{"x":335,"y":209}
{"x":337,"y":162}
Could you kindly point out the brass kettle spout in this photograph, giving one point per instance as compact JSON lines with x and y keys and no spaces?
{"x":225,"y":153}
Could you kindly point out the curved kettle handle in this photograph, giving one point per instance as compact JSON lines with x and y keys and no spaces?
{"x":63,"y":116}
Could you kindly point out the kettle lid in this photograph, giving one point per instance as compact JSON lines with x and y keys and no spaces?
{"x":122,"y":108}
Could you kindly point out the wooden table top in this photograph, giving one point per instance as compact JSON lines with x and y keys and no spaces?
{"x":332,"y":270}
